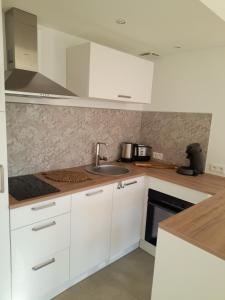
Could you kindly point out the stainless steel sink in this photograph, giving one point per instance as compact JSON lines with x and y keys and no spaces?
{"x":107,"y":170}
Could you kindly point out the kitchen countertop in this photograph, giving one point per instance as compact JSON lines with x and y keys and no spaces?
{"x":203,"y":225}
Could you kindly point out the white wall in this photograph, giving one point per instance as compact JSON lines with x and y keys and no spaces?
{"x":52,"y":46}
{"x":194,"y":82}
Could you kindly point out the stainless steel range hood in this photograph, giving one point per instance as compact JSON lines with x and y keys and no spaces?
{"x":22,"y":76}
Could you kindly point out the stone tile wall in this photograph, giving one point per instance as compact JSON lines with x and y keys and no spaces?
{"x":44,"y":137}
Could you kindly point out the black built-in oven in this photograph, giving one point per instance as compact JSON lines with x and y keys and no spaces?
{"x":160,"y":207}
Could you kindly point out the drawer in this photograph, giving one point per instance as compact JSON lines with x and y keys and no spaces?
{"x":42,"y":278}
{"x":33,"y":213}
{"x":34,"y":242}
{"x":93,"y":193}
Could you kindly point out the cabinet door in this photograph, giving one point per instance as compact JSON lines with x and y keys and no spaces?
{"x":90,"y":229}
{"x":128,"y":200}
{"x":119,"y":76}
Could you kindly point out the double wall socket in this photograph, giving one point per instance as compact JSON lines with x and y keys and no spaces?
{"x":217,"y":169}
{"x":157,"y":155}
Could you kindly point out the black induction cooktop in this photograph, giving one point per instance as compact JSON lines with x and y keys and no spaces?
{"x":29,"y":186}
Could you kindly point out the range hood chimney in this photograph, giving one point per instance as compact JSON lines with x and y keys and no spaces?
{"x":22,"y":76}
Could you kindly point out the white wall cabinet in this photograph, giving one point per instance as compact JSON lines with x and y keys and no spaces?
{"x":100,"y":72}
{"x":90,"y":229}
{"x":128,"y":201}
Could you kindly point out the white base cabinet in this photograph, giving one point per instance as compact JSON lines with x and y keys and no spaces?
{"x":59,"y":242}
{"x":128,"y":201}
{"x":184,"y":271}
{"x":90,"y":229}
{"x":40,"y":245}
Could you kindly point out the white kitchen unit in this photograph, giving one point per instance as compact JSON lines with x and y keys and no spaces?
{"x":184,"y":271}
{"x":90,"y":231}
{"x":40,"y":246}
{"x":5,"y":272}
{"x":96,"y":71}
{"x":127,"y":213}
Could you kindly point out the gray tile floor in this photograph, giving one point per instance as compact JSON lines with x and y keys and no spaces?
{"x":130,"y":278}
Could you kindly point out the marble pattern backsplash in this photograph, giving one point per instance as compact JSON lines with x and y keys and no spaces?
{"x":44,"y":137}
{"x":170,"y":133}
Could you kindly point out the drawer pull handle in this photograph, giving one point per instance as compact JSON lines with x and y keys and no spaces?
{"x":2,"y":179}
{"x":124,"y":96}
{"x":120,"y":186}
{"x":94,"y":193}
{"x":43,"y":206}
{"x":130,"y":183}
{"x":48,"y":262}
{"x":37,"y":228}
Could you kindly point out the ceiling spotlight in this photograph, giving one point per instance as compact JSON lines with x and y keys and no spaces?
{"x":121,"y":21}
{"x":149,"y":54}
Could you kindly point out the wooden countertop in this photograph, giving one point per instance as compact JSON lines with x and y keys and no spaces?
{"x":71,"y":188}
{"x":203,"y":225}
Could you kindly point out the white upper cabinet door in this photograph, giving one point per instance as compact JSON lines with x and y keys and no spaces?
{"x":128,"y":202}
{"x":90,"y":229}
{"x":100,"y":72}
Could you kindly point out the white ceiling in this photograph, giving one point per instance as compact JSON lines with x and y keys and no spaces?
{"x":217,"y":6}
{"x":152,"y":25}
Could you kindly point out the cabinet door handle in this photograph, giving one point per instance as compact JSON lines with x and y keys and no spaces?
{"x":44,"y":264}
{"x":120,"y":186}
{"x":130,"y":183}
{"x":94,"y":193}
{"x":43,"y":206}
{"x":37,"y":228}
{"x":2,"y":189}
{"x":124,"y":96}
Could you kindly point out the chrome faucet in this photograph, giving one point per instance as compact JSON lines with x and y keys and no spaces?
{"x":98,"y":157}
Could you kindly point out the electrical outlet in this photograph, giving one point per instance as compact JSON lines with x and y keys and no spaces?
{"x":218,"y":169}
{"x":158,"y":155}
